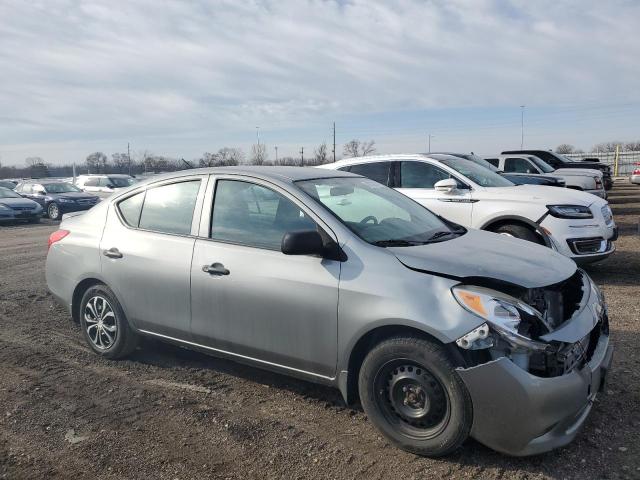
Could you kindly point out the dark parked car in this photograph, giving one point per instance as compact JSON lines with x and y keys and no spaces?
{"x":7,"y":184}
{"x":14,"y":207}
{"x":517,"y":178}
{"x":560,"y":161}
{"x":57,"y":197}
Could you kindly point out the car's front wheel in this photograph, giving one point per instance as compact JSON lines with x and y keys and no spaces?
{"x":53,"y":211}
{"x":519,"y":231}
{"x":104,"y":325}
{"x":410,"y":390}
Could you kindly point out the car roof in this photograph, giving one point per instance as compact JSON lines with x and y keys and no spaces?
{"x":395,"y":156}
{"x":283,"y":174}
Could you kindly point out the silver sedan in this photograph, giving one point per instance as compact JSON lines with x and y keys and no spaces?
{"x":440,"y":332}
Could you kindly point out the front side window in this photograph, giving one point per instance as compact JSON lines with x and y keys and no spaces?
{"x":542,"y":165}
{"x":120,"y":182}
{"x":518,"y":165}
{"x":91,"y":182}
{"x":377,"y":214}
{"x":476,"y":173}
{"x":253,"y":215}
{"x":420,"y":175}
{"x":376,"y":171}
{"x":169,"y":208}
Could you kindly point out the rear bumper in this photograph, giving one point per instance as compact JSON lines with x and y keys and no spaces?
{"x":635,"y":179}
{"x":69,"y":208}
{"x":520,"y":414}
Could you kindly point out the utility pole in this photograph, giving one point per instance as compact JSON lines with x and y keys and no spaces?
{"x":258,"y":134}
{"x":521,"y":127}
{"x":429,"y":142}
{"x":129,"y":158}
{"x":276,"y":147}
{"x":302,"y":156}
{"x":334,"y":142}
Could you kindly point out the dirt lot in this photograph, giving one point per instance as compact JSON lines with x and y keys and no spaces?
{"x":170,"y":413}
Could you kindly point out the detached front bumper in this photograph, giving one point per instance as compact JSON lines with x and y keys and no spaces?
{"x":521,"y":414}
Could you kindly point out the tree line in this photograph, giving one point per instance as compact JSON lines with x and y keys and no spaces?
{"x":604,"y":147}
{"x":148,"y":162}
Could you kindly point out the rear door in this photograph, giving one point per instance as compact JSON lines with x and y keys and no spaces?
{"x":270,"y":307}
{"x":146,"y":251}
{"x":417,"y":179}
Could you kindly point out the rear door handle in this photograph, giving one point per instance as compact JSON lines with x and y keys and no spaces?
{"x":112,"y":253}
{"x":215,"y":269}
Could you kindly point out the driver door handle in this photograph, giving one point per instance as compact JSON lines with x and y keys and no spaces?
{"x":216,"y":269}
{"x":112,"y":253}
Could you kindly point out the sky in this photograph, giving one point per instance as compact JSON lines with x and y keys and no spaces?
{"x":179,"y":78}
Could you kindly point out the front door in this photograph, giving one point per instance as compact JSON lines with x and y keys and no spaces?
{"x":417,"y":180}
{"x":251,"y":300}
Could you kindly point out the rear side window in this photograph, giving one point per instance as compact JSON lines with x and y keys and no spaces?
{"x":493,"y":161}
{"x":253,"y":215}
{"x":420,"y":175}
{"x":130,"y":209}
{"x":169,"y":208}
{"x":91,"y":182}
{"x":377,"y":171}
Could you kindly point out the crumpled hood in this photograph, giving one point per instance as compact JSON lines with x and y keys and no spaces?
{"x":489,"y":255}
{"x":540,"y":194}
{"x":18,"y":202}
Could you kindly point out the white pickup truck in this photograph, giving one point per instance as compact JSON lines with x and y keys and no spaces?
{"x":585,"y":179}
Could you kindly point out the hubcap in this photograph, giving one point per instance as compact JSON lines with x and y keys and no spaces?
{"x":100,"y":322}
{"x":53,"y":211}
{"x":412,"y":398}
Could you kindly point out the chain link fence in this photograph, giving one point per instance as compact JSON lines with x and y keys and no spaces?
{"x":627,"y":161}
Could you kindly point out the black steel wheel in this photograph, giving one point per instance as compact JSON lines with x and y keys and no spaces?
{"x":410,"y":390}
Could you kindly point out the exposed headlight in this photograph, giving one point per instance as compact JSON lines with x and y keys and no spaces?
{"x":4,"y":207}
{"x":570,"y":211}
{"x":66,"y":200}
{"x":503,"y":313}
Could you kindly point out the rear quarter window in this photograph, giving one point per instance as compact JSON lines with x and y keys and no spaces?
{"x":130,"y":209}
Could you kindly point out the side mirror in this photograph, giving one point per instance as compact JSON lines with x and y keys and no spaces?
{"x":447,"y":185}
{"x":306,"y":242}
{"x":110,"y":186}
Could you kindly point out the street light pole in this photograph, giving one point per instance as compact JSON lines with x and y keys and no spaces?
{"x":521,"y":127}
{"x":429,"y":143}
{"x":258,"y":134}
{"x":276,"y":153}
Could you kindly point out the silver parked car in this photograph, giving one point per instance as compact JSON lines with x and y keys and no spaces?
{"x":440,"y":332}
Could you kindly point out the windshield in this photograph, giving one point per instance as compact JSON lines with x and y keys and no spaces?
{"x":60,"y":188}
{"x":6,"y":193}
{"x":120,"y":182}
{"x":482,"y":162}
{"x":477,"y":174}
{"x":544,"y":166}
{"x":378,"y":214}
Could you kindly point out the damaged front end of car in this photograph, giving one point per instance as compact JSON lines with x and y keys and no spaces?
{"x":534,"y":367}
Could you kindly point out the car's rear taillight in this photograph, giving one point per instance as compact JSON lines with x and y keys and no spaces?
{"x":598,"y":183}
{"x":57,"y":236}
{"x":636,"y":171}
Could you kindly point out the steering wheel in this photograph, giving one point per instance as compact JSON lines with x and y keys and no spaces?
{"x":370,"y":217}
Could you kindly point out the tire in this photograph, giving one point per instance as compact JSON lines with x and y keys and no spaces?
{"x":411,"y":392}
{"x":519,"y":231}
{"x":53,"y":211}
{"x":107,"y":330}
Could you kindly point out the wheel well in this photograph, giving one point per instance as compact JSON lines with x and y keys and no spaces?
{"x":79,"y":291}
{"x":373,"y":338}
{"x":492,"y":227}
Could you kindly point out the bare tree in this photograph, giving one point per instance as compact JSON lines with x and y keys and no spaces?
{"x":96,"y":162}
{"x":33,"y":161}
{"x":565,"y":148}
{"x":632,"y":146}
{"x":230,"y":156}
{"x":120,"y":161}
{"x":320,"y":154}
{"x":605,"y":147}
{"x":356,"y":148}
{"x":259,"y":154}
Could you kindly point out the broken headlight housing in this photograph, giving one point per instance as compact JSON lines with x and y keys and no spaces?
{"x":503,"y":314}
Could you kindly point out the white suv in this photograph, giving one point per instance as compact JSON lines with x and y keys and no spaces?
{"x":104,"y":185}
{"x":576,"y":224}
{"x":585,"y":179}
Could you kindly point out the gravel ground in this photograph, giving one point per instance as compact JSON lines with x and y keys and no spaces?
{"x":169,"y":413}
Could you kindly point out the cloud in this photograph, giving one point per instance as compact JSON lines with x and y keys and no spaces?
{"x":99,"y":72}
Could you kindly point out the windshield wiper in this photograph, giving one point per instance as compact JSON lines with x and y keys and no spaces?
{"x":396,"y":243}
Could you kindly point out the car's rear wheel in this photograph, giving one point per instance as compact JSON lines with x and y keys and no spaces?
{"x":519,"y":231}
{"x":104,"y":325}
{"x":53,"y":211}
{"x":410,"y":390}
